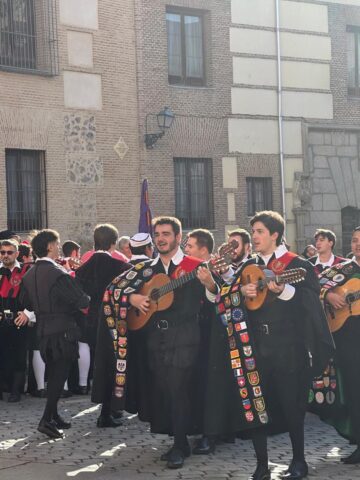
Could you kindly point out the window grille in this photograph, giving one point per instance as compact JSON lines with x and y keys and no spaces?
{"x":259,"y":194}
{"x":26,"y":190}
{"x":28,"y":36}
{"x":194,"y":204}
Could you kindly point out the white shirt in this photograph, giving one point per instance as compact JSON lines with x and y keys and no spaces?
{"x":329,"y":263}
{"x":289,"y":290}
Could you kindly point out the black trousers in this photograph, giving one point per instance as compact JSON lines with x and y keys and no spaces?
{"x":58,"y":371}
{"x":348,"y":359}
{"x":286,"y":380}
{"x":13,"y":346}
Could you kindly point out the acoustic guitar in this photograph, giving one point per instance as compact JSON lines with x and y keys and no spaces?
{"x":350,"y":291}
{"x":160,"y":288}
{"x":261,"y":276}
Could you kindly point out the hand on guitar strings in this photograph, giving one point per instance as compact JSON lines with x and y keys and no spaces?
{"x":275,"y":287}
{"x":205,"y":277}
{"x":141,"y":302}
{"x":335,"y":300}
{"x":249,"y":290}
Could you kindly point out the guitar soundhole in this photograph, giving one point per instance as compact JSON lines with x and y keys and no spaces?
{"x":155,"y":295}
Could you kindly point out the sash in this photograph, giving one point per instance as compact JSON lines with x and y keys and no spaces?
{"x":232,"y":314}
{"x":278,"y":265}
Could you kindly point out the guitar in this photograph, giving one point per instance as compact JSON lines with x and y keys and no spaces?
{"x":261,"y":276}
{"x":350,"y":291}
{"x":160,"y":289}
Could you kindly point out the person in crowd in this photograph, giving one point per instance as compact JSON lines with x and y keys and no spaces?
{"x":346,"y":335}
{"x":55,"y":297}
{"x":309,"y":251}
{"x":124,"y":246}
{"x":292,"y":341}
{"x":25,"y":254}
{"x":94,"y":276}
{"x":142,"y":248}
{"x":172,"y":339}
{"x":243,"y":252}
{"x":325,"y":241}
{"x":13,"y":320}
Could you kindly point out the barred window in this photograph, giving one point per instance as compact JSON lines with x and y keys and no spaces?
{"x":185,"y":34}
{"x":259,"y":194}
{"x":194,"y":192}
{"x":26,"y":190}
{"x":28,"y":36}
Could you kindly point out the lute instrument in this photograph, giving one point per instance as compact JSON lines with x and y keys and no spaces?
{"x":261,"y":276}
{"x":160,"y":288}
{"x":350,"y":291}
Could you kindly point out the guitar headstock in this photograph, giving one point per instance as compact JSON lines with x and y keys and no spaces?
{"x":221,"y":263}
{"x":294,"y":275}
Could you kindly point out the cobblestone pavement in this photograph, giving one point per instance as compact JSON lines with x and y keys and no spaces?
{"x":131,"y":452}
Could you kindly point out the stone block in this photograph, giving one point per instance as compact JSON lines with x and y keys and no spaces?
{"x":321,"y":218}
{"x":353,"y":139}
{"x":80,"y":133}
{"x":316,"y":138}
{"x":317,"y":202}
{"x":320,"y":162}
{"x":322,"y":173}
{"x":350,"y":151}
{"x":323,"y":185}
{"x":339,"y":138}
{"x":327,"y":138}
{"x":324,"y":150}
{"x":330,"y":202}
{"x":84,"y":170}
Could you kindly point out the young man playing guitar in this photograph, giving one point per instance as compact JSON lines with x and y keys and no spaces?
{"x":172,"y":336}
{"x":336,"y":282}
{"x":325,"y":241}
{"x":285,"y":351}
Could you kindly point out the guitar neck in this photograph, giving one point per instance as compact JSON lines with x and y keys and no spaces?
{"x":353,"y":297}
{"x":177,"y":282}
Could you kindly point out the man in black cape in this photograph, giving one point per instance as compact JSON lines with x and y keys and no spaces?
{"x":94,"y":276}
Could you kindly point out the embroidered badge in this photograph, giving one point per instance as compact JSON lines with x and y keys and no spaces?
{"x":227,"y":302}
{"x":244,"y":337}
{"x":220,"y":308}
{"x":121,"y":365}
{"x":117,"y":293}
{"x":223,"y":319}
{"x":235,"y":363}
{"x":120,"y":379}
{"x":131,"y":275}
{"x":129,"y":290}
{"x":253,"y":378}
{"x":106,"y":297}
{"x":311,"y":396}
{"x":139,"y":266}
{"x":230,"y":329}
{"x":123,"y":312}
{"x":123,"y":283}
{"x":238,"y":372}
{"x":277,"y":266}
{"x":122,"y":352}
{"x":348,"y":269}
{"x":330,"y":398}
{"x":250,"y":363}
{"x":319,"y":397}
{"x":111,"y":322}
{"x":235,"y":288}
{"x":119,"y":392}
{"x":249,"y":416}
{"x":122,"y":342}
{"x":241,"y":381}
{"x":339,"y":278}
{"x":107,"y":310}
{"x":244,"y":392}
{"x":137,"y":283}
{"x":225,"y":291}
{"x":232,"y":343}
{"x":234,"y":353}
{"x":247,"y":351}
{"x":237,"y":314}
{"x":259,"y":404}
{"x":263,"y":417}
{"x":235,"y":299}
{"x":147,"y":272}
{"x":257,"y":391}
{"x":122,"y":328}
{"x":326,"y":381}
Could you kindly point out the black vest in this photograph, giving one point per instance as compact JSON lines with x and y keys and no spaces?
{"x":53,"y":316}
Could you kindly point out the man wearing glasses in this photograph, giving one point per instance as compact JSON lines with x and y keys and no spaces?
{"x":13,"y":335}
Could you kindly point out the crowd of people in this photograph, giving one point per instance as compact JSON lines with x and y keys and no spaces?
{"x":237,"y":342}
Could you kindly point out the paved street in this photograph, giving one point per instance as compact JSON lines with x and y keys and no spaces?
{"x":131,"y":452}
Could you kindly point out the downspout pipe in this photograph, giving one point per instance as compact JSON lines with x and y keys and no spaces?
{"x":280,"y":119}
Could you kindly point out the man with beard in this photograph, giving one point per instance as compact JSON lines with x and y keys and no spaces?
{"x":347,"y":337}
{"x":291,"y":337}
{"x":172,"y":336}
{"x":243,"y":252}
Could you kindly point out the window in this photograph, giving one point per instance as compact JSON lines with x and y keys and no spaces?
{"x":194,"y":192}
{"x":259,"y":194}
{"x":185,"y":31}
{"x":25,"y":182}
{"x":353,"y":55}
{"x":28,"y":36}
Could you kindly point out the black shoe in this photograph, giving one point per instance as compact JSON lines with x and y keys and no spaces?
{"x":60,"y":423}
{"x":185,"y":449}
{"x":49,"y":429}
{"x":353,"y":458}
{"x":107,"y":421}
{"x":204,"y":446}
{"x":176,"y":458}
{"x":39,"y":393}
{"x":66,"y":394}
{"x":297,"y":470}
{"x":262,"y":472}
{"x":14,"y":397}
{"x":81,"y":390}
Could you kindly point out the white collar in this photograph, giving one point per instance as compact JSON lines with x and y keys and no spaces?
{"x":47,"y":259}
{"x":329,"y":263}
{"x":139,"y":257}
{"x":354,"y":260}
{"x":103,"y":251}
{"x":176,"y":259}
{"x":16,"y":265}
{"x":278,"y":252}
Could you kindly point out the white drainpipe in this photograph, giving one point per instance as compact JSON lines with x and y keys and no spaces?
{"x":280,"y":121}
